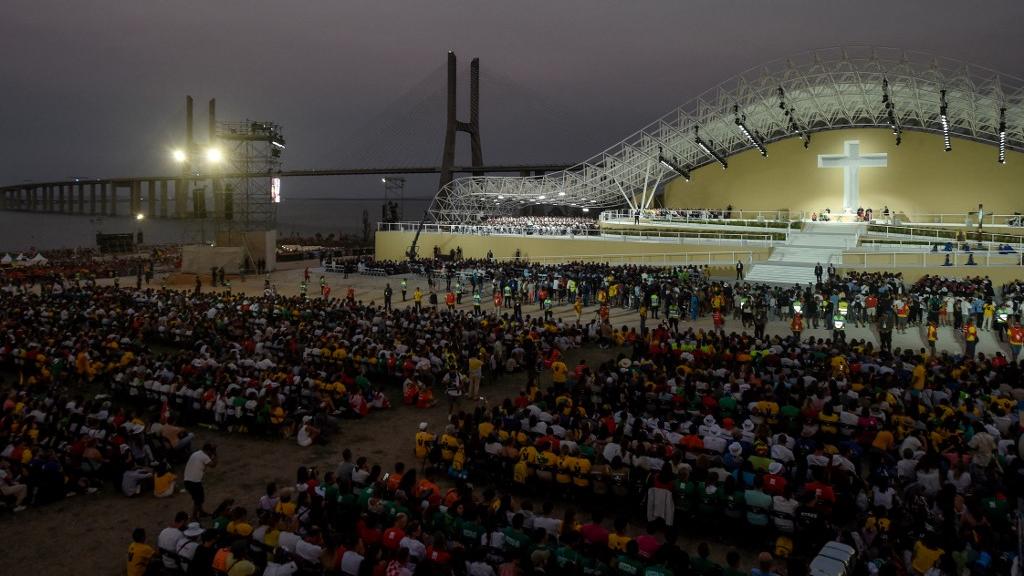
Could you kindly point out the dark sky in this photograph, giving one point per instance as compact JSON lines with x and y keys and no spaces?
{"x":96,"y":88}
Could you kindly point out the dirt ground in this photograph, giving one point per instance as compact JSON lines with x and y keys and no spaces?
{"x":90,"y":534}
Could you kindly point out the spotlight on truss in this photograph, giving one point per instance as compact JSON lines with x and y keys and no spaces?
{"x":706,"y":147}
{"x":751,"y":136}
{"x":673,"y":165}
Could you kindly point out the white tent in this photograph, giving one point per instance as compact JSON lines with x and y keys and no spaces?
{"x":20,"y":258}
{"x":37,"y":260}
{"x":6,"y":260}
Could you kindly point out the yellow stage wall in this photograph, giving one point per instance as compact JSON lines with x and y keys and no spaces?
{"x":392,"y":246}
{"x":920,"y":177}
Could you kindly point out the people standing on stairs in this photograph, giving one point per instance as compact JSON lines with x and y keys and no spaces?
{"x":818,"y":271}
{"x":831,"y":272}
{"x":739,"y":270}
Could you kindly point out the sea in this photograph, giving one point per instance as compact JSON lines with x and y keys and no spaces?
{"x":22,"y":232}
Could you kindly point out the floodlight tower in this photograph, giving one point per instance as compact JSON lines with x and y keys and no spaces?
{"x":249,"y":190}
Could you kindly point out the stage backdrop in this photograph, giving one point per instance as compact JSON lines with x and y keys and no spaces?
{"x":919,"y":177}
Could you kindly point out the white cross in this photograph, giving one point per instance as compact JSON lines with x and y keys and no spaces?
{"x":851,"y":162}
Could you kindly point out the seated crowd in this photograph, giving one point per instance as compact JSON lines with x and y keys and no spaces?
{"x":539,"y":225}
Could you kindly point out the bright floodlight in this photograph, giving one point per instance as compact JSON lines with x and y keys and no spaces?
{"x":179,"y":155}
{"x":140,"y":216}
{"x":214,"y":155}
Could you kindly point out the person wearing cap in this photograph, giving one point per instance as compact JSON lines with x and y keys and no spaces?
{"x":189,"y":544}
{"x":169,"y":539}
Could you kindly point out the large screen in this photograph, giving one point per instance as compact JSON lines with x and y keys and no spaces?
{"x":275,"y":189}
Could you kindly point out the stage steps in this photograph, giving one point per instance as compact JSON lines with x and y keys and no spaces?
{"x":819,"y":242}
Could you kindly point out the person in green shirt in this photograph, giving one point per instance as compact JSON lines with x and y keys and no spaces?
{"x":593,"y":562}
{"x":702,"y":563}
{"x":628,"y":564}
{"x":566,"y":555}
{"x":516,"y":539}
{"x":471,"y":531}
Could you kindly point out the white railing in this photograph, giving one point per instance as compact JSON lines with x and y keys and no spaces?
{"x":710,"y":258}
{"x":758,"y":239}
{"x":961,"y":218}
{"x":933,"y":234}
{"x":924,"y":259}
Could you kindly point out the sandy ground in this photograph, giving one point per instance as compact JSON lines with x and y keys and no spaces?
{"x":90,"y":534}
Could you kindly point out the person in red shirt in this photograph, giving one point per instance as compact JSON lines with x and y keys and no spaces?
{"x":449,"y":300}
{"x":594,"y":532}
{"x":774,"y":482}
{"x":437,"y":553}
{"x":718,"y":319}
{"x":393,"y":536}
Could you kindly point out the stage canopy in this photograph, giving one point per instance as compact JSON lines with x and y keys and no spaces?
{"x":835,"y":88}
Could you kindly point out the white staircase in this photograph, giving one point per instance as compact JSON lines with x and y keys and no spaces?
{"x":794,"y":261}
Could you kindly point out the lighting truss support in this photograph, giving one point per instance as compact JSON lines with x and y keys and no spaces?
{"x":944,"y":119}
{"x":752,"y":136}
{"x":1002,"y":135}
{"x":673,"y":164}
{"x":791,"y":122}
{"x":707,"y":149}
{"x":890,"y":112}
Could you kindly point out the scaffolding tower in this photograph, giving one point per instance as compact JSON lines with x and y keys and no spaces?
{"x":246,"y":197}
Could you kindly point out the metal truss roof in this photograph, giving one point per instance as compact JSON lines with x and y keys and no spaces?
{"x":823,"y":90}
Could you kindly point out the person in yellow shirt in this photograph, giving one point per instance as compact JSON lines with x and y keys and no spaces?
{"x":581,"y":474}
{"x":926,"y":555}
{"x":988,"y":311}
{"x":566,"y":465}
{"x":476,"y":373}
{"x":485,"y":428}
{"x":918,"y":376}
{"x":424,"y":442}
{"x":139,"y":554}
{"x":239,"y":525}
{"x":449,"y":445}
{"x":618,"y":539}
{"x":163,"y":482}
{"x":559,"y":372}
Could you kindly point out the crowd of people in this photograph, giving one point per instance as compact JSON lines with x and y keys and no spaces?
{"x":538,"y":225}
{"x":913,"y":457}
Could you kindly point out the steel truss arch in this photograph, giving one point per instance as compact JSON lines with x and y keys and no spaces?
{"x":826,"y":89}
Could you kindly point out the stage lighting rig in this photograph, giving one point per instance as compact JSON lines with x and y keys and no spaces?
{"x":790,"y":113}
{"x":944,"y":118}
{"x":673,"y":165}
{"x":890,"y":112}
{"x":1002,"y":135}
{"x":706,"y":147}
{"x":755,"y":139}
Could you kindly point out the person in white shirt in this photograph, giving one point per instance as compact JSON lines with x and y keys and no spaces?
{"x":187,"y":546}
{"x":308,"y":551}
{"x":195,"y":471}
{"x":352,"y":560}
{"x":169,"y":538}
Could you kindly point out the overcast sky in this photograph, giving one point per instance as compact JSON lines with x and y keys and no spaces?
{"x":95,"y":88}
